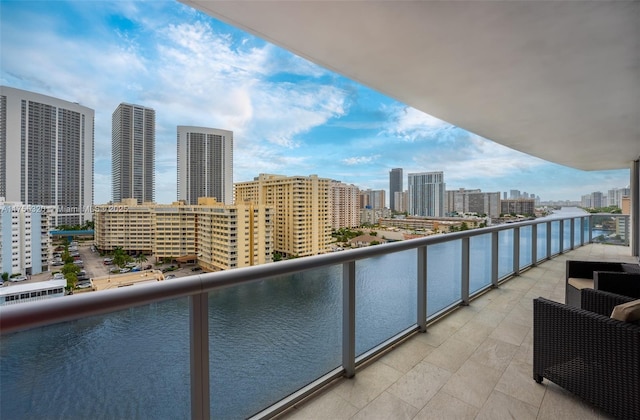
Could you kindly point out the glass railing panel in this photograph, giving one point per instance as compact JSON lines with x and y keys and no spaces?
{"x":386,"y":297}
{"x":525,"y":246}
{"x":612,"y":229}
{"x":124,"y":365}
{"x":505,"y":253}
{"x":541,"y":241}
{"x":585,"y":226}
{"x":555,"y":237}
{"x":444,"y":283}
{"x":270,"y":338}
{"x":566,"y":235}
{"x":479,"y":262}
{"x":577,"y":229}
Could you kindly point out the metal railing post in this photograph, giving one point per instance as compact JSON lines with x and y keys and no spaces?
{"x":349,"y":318}
{"x":464,"y":290}
{"x":561,"y":237}
{"x":572,"y":231}
{"x":534,"y":245}
{"x":590,"y":230}
{"x":516,"y":251}
{"x":494,"y":258}
{"x":581,"y":231}
{"x":422,"y":289}
{"x":199,"y":356}
{"x":549,"y":240}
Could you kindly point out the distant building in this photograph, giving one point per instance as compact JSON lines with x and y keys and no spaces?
{"x":133,"y":153}
{"x":401,"y":201}
{"x":373,"y":199}
{"x":395,"y":186}
{"x":373,"y":216}
{"x":433,"y":224}
{"x":345,"y":211}
{"x":597,"y":200}
{"x":218,"y":236}
{"x":616,"y":195}
{"x":25,"y":239}
{"x":49,"y":161}
{"x":366,"y":240}
{"x":585,"y":201}
{"x":426,"y":194}
{"x":521,"y":206}
{"x":301,"y":205}
{"x":205,"y":164}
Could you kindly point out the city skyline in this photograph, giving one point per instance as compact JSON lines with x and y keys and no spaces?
{"x":288,"y":116}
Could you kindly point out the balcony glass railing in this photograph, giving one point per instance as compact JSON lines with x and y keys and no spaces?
{"x":251,"y":341}
{"x":611,"y":229}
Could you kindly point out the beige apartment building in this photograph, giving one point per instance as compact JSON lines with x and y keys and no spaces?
{"x":301,"y":205}
{"x":218,"y":236}
{"x":345,"y":205}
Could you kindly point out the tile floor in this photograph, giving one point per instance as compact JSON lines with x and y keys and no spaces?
{"x":475,"y":363}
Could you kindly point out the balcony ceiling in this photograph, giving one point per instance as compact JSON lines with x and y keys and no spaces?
{"x":559,"y":80}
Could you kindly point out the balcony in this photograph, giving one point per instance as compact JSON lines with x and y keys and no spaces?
{"x":282,"y":338}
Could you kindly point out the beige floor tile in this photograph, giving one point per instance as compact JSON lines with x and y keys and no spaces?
{"x":437,"y":333}
{"x":517,"y":381}
{"x":451,"y":354}
{"x":490,"y":317}
{"x":473,"y":383}
{"x":444,"y":406}
{"x":503,"y":407}
{"x":494,"y":353}
{"x":367,"y":384}
{"x":473,"y":332}
{"x":385,"y":407}
{"x":420,"y":384}
{"x":510,"y":332}
{"x":559,"y":403}
{"x":405,"y":356}
{"x":328,"y":405}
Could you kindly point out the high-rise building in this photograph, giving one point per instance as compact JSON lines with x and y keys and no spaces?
{"x":395,"y":186}
{"x":25,"y":237}
{"x":597,"y":200}
{"x":205,"y":164}
{"x":426,"y":194}
{"x":133,"y":153}
{"x":615,"y":195}
{"x":372,"y":199}
{"x":46,"y":153}
{"x":473,"y":201}
{"x":401,"y":201}
{"x":345,"y":211}
{"x":302,"y":224}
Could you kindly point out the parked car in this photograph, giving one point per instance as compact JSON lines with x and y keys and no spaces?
{"x":125,"y":270}
{"x":17,"y":278}
{"x":84,"y":285}
{"x":196,"y":269}
{"x":170,"y":276}
{"x":58,"y":276}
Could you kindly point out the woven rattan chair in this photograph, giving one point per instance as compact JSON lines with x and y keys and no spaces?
{"x":614,"y":277}
{"x":589,"y":354}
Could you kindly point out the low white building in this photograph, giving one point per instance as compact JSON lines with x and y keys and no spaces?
{"x":25,"y":238}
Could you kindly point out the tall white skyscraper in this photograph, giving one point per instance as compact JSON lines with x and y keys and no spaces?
{"x":46,"y":153}
{"x":133,"y":152}
{"x":426,"y":194}
{"x":205,"y":164}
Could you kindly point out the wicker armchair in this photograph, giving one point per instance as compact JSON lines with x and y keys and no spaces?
{"x":614,"y":277}
{"x":588,"y":353}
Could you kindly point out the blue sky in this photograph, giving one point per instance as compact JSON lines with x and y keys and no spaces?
{"x":288,"y":115}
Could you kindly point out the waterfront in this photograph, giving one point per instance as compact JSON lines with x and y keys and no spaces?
{"x":267,"y":339}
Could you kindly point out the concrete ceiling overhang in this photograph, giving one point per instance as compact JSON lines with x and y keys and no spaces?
{"x":559,"y":80}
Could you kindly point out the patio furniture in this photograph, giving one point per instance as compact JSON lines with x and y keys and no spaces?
{"x":615,"y":277}
{"x":588,"y":353}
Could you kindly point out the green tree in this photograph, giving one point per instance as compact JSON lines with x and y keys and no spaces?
{"x":72,"y":280}
{"x":141,"y":258}
{"x":121,"y":258}
{"x":5,"y":276}
{"x":277,"y":256}
{"x":374,"y":243}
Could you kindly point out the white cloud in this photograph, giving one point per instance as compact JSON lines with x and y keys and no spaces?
{"x":410,"y":124}
{"x":357,"y":160}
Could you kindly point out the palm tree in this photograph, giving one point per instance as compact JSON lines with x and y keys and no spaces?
{"x":141,"y":258}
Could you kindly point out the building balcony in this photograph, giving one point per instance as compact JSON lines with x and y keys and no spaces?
{"x":436,"y":327}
